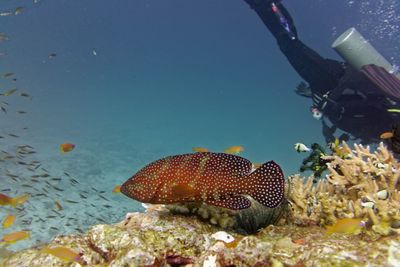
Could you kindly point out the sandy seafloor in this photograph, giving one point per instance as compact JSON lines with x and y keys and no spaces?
{"x":163,"y":81}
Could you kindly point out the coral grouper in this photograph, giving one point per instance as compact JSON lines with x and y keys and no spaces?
{"x":217,"y":179}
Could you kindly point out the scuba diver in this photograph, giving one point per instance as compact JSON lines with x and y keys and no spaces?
{"x":353,"y":100}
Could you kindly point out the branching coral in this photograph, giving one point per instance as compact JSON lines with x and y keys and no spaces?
{"x":360,"y":183}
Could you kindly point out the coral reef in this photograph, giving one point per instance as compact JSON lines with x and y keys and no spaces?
{"x":158,"y":238}
{"x":360,"y":184}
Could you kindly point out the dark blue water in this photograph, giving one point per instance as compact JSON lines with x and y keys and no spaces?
{"x":167,"y":76}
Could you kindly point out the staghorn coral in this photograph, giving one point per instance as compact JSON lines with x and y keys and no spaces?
{"x":360,"y":183}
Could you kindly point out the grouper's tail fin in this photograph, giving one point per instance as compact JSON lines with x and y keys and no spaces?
{"x":269,"y":184}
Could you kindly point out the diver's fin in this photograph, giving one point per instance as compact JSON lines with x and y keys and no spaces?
{"x":388,"y":83}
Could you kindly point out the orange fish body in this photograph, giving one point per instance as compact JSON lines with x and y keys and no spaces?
{"x":67,"y":147}
{"x":217,"y":179}
{"x":14,"y":237}
{"x":345,"y":226}
{"x":8,"y":221}
{"x":5,"y":200}
{"x":64,"y":253}
{"x":200,"y":149}
{"x":386,"y":135}
{"x":58,"y":205}
{"x":234,"y":149}
{"x":19,"y":200}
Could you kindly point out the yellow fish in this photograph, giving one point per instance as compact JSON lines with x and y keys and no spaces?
{"x":14,"y":237}
{"x":63,"y":253}
{"x":386,"y":135}
{"x":117,"y":189}
{"x":200,"y":149}
{"x":8,"y":221}
{"x":234,"y":150}
{"x":346,"y":226}
{"x":19,"y":200}
{"x":66,"y":147}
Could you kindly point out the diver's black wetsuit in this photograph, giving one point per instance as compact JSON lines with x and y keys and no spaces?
{"x":344,"y":95}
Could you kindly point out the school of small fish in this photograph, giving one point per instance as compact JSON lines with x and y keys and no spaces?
{"x":26,"y":180}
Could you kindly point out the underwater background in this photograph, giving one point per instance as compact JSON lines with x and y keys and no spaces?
{"x":130,"y":82}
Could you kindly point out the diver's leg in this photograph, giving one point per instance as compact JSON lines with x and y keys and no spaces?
{"x":317,"y":71}
{"x":275,"y":17}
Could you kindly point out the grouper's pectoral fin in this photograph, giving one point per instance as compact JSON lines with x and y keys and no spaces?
{"x":183,"y":191}
{"x":233,"y":202}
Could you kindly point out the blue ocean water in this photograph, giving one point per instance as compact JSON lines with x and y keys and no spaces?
{"x":134,"y":81}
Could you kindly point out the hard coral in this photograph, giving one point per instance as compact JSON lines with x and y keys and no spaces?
{"x":360,"y":184}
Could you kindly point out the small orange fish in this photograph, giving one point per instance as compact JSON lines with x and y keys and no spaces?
{"x":386,"y":135}
{"x":346,"y":226}
{"x":199,"y":149}
{"x":67,"y":147}
{"x":64,"y":253}
{"x":58,"y":205}
{"x":19,"y":200}
{"x":117,"y":189}
{"x":14,"y":237}
{"x":234,"y":243}
{"x":6,"y":200}
{"x":234,"y":149}
{"x":8,"y":221}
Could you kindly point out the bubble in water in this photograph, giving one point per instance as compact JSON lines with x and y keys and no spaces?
{"x":381,"y":20}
